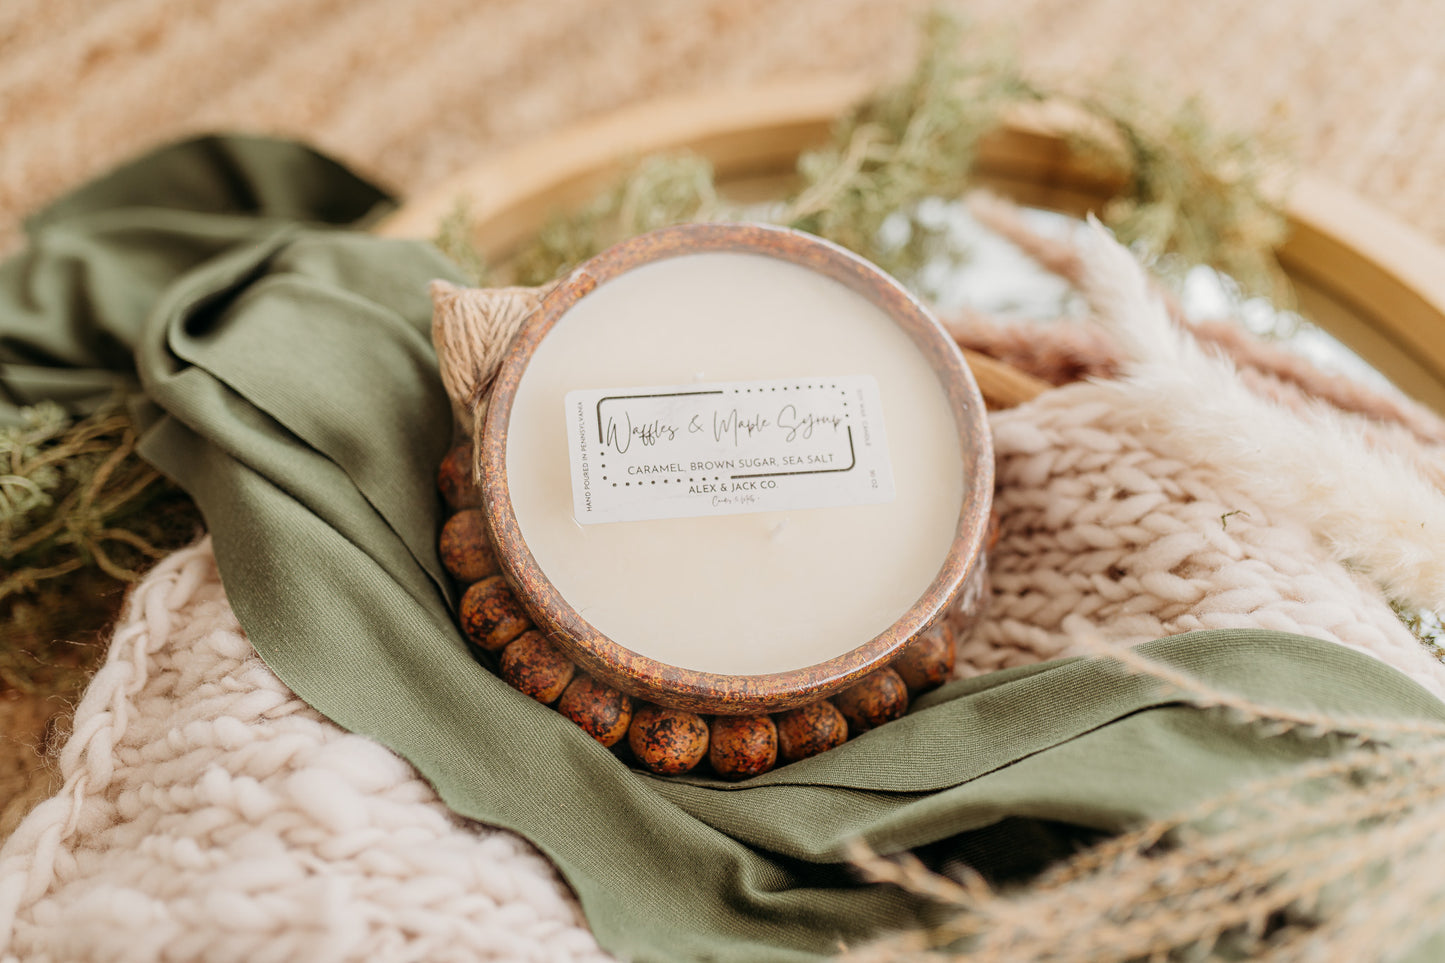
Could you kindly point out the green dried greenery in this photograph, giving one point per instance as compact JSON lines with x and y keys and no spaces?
{"x":916,"y":140}
{"x":1195,"y":194}
{"x":453,"y":241}
{"x":658,"y":192}
{"x":1191,"y":193}
{"x":1425,"y":626}
{"x":80,"y":516}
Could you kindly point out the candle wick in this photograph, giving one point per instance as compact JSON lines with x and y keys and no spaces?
{"x":778,"y":529}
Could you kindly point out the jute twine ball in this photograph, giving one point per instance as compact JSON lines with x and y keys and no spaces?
{"x":741,"y":747}
{"x":667,"y":741}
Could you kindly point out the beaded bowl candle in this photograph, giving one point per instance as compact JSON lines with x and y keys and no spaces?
{"x":734,"y":468}
{"x":728,"y":469}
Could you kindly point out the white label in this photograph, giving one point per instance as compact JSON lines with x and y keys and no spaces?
{"x":727,"y":448}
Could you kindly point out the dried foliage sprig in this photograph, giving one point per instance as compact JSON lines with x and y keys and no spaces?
{"x":79,"y":510}
{"x":1196,"y":193}
{"x":454,"y":241}
{"x":660,"y":191}
{"x":915,"y":140}
{"x":1191,"y":192}
{"x":1424,"y":624}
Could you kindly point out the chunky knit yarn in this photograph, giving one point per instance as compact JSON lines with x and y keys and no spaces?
{"x":210,"y":814}
{"x":1106,"y":539}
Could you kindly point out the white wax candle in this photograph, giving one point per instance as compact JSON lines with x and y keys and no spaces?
{"x":742,"y":594}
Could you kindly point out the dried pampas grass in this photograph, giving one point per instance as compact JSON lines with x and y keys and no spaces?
{"x":1370,"y":505}
{"x":1338,"y":859}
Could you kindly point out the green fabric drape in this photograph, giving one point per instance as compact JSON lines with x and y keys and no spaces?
{"x":281,"y":370}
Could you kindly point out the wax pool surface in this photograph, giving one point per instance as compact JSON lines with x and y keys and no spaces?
{"x":739,"y":594}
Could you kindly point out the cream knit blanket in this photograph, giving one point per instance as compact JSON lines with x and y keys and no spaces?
{"x":208,"y":814}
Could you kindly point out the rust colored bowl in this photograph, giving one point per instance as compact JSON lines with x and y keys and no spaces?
{"x":712,"y":692}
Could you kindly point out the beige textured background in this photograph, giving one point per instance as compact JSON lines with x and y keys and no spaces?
{"x":409,"y":92}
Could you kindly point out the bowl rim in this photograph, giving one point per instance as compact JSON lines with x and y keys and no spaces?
{"x":713,"y":692}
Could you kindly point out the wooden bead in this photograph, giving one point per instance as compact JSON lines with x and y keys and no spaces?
{"x":881,"y":697}
{"x":667,"y":741}
{"x":536,"y":667}
{"x":809,"y":730}
{"x":491,"y":615}
{"x":927,"y":662}
{"x":601,"y":711}
{"x":742,"y":746}
{"x":454,"y":479}
{"x":465,"y":549}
